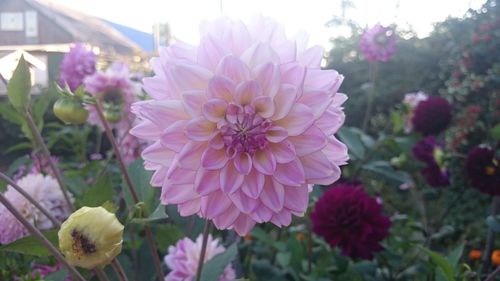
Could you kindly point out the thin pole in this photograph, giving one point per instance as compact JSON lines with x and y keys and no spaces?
{"x":201,"y":261}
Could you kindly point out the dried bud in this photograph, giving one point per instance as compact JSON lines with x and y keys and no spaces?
{"x":91,"y":237}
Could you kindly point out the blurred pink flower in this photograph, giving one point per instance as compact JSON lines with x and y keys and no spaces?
{"x":77,"y":64}
{"x":43,"y":189}
{"x":378,"y":43}
{"x":183,"y":259}
{"x":242,"y":124}
{"x":116,"y":89}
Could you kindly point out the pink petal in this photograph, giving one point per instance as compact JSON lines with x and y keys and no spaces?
{"x":227,"y":218}
{"x":214,"y":204}
{"x":210,"y":52}
{"x":216,"y":142}
{"x":283,"y":218}
{"x":243,"y":163}
{"x":243,"y":224}
{"x":268,"y":76}
{"x":234,"y":69}
{"x":312,"y":57}
{"x":174,"y":137}
{"x":230,"y":178}
{"x":159,"y":176}
{"x":276,"y":134}
{"x":331,"y":121}
{"x":291,"y":174}
{"x":313,"y":139}
{"x":157,"y":153}
{"x":215,"y":109}
{"x":190,"y":76}
{"x":296,"y":198}
{"x":177,"y":193}
{"x":161,"y":113}
{"x":180,"y":50}
{"x":181,"y":176}
{"x":299,"y":119}
{"x":283,"y":151}
{"x":319,"y":79}
{"x":319,"y":100}
{"x":192,"y":101}
{"x":319,"y":170}
{"x":293,"y":74}
{"x":200,"y":129}
{"x":206,"y":181}
{"x":244,"y":203}
{"x":284,"y":101}
{"x":253,"y":184}
{"x":273,"y":195}
{"x":258,"y":54}
{"x":336,"y":151}
{"x":262,"y":214}
{"x":146,"y":130}
{"x":264,"y":106}
{"x":287,"y":51}
{"x":222,"y":88}
{"x":264,"y":161}
{"x":189,"y":208}
{"x":213,"y":159}
{"x":246,"y":92}
{"x":190,"y":155}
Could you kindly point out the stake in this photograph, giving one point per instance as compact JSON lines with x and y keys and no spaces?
{"x":201,"y":261}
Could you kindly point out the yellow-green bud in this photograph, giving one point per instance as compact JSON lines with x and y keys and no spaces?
{"x":70,"y":111}
{"x":91,"y":237}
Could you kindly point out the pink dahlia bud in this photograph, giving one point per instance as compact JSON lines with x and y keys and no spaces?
{"x":483,"y":170}
{"x":43,"y":189}
{"x":75,"y":66}
{"x":378,"y":43}
{"x":183,"y":258}
{"x":116,"y":93}
{"x":241,"y":125}
{"x":345,"y":216}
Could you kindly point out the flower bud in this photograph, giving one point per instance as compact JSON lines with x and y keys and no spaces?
{"x":112,"y":115}
{"x":91,"y":237}
{"x":70,"y":111}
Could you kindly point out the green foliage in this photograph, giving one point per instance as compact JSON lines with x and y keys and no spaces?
{"x":97,"y":194}
{"x":214,"y":268}
{"x":30,"y":245}
{"x":19,"y":87}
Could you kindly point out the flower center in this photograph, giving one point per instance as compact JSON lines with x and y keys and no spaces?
{"x":113,"y":96}
{"x":82,"y":245}
{"x":244,"y":130}
{"x":489,"y":170}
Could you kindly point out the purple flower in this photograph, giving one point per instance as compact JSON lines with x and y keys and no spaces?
{"x":482,"y":167}
{"x":378,"y":43}
{"x":76,"y":65}
{"x":432,"y":116}
{"x":347,"y":217}
{"x":430,"y":152}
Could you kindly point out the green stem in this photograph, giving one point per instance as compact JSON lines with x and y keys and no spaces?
{"x":117,"y":267}
{"x":35,"y":232}
{"x":101,"y":274}
{"x":126,"y":176}
{"x":19,"y":189}
{"x":372,"y":68}
{"x":201,"y":261}
{"x":41,"y":143}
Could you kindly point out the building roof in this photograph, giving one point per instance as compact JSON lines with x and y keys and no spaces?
{"x":86,"y":28}
{"x":143,"y":39}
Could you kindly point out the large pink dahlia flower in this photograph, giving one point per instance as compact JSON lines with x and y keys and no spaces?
{"x":241,"y":125}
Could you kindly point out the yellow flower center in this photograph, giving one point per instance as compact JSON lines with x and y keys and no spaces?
{"x":489,"y":170}
{"x":82,"y":245}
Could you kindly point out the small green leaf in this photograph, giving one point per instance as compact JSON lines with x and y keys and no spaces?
{"x":353,"y":141}
{"x":384,"y":169}
{"x":99,"y":193}
{"x":145,"y":192}
{"x":10,"y":114}
{"x":495,"y":132}
{"x":157,"y":215}
{"x":19,"y":87}
{"x":40,"y":106}
{"x":167,"y":234}
{"x":30,"y":245}
{"x":442,"y":263}
{"x":455,"y":255}
{"x":214,"y":268}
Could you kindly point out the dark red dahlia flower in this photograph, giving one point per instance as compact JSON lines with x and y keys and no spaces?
{"x":483,"y":170}
{"x":432,"y":116}
{"x":345,"y":216}
{"x":430,"y":152}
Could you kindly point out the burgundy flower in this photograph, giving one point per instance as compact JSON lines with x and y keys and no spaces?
{"x":431,"y":153}
{"x":347,"y":217}
{"x":432,"y":116}
{"x":483,"y":170}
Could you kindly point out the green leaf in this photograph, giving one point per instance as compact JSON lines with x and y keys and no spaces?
{"x":214,"y":268}
{"x":30,"y":245}
{"x":19,"y":146}
{"x":442,"y":263}
{"x":145,"y":192}
{"x":99,"y":193}
{"x":10,"y":114}
{"x":167,"y":234}
{"x":40,"y":107}
{"x":386,"y":171}
{"x":353,"y":141}
{"x":19,"y":87}
{"x":455,"y":255}
{"x":495,"y":132}
{"x":157,"y":215}
{"x":494,"y":223}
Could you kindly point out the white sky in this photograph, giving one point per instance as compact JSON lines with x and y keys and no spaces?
{"x":307,"y":15}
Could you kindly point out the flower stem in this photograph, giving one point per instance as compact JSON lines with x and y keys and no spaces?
{"x":201,"y":261}
{"x":117,"y":267}
{"x":35,"y":232}
{"x":491,"y":277}
{"x":490,"y":239}
{"x":41,"y":143}
{"x":126,"y":176}
{"x":19,"y":189}
{"x":101,"y":274}
{"x":371,"y":95}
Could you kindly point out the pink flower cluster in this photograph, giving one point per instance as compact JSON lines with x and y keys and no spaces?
{"x":378,"y":43}
{"x":183,"y":258}
{"x":77,"y":64}
{"x":242,"y":125}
